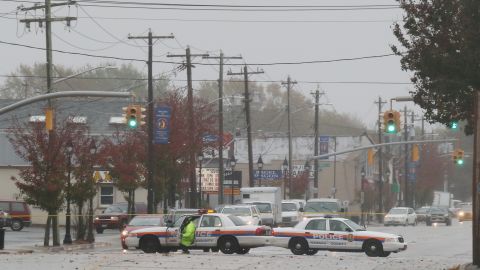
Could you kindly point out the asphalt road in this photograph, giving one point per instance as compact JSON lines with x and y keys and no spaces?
{"x":436,"y":247}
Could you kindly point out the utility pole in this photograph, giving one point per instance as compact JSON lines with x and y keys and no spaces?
{"x":476,"y":184}
{"x":49,"y":111}
{"x":405,"y":130}
{"x":380,"y":160}
{"x":191,"y":125}
{"x":412,"y":187}
{"x":150,"y":151}
{"x":289,"y":84}
{"x":221,"y":169}
{"x":315,"y":151}
{"x":245,"y":74}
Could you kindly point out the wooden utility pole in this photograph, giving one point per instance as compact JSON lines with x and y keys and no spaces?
{"x":380,"y":160}
{"x":476,"y":185}
{"x":49,"y":111}
{"x":191,"y":125}
{"x":221,"y":168}
{"x":406,"y":195}
{"x":289,"y":84}
{"x":150,"y":114}
{"x":245,"y":74}
{"x":315,"y":151}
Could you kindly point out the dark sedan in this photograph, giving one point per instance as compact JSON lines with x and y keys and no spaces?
{"x":438,"y":215}
{"x":422,"y":213}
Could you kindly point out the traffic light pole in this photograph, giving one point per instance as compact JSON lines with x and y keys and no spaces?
{"x":380,"y":161}
{"x":476,"y":185}
{"x":406,"y":191}
{"x":150,"y":109}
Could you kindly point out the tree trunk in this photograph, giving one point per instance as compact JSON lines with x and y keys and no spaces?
{"x":55,"y":231}
{"x":80,"y":222}
{"x":46,"y":238}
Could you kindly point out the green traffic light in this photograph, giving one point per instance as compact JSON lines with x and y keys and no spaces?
{"x":391,"y":128}
{"x":454,"y":125}
{"x":460,"y":162}
{"x":132,"y":123}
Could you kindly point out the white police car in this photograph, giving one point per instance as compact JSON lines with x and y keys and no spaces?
{"x":223,"y":232}
{"x":335,"y":234}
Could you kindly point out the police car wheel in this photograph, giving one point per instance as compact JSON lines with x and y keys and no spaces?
{"x":298,"y":246}
{"x":311,"y":252}
{"x":242,"y":251}
{"x":149,"y":244}
{"x":373,"y":248}
{"x":228,"y":245}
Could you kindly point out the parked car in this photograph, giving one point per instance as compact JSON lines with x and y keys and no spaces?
{"x":292,"y":212}
{"x":140,"y":222}
{"x":19,"y":213}
{"x":5,"y":219}
{"x":438,"y":215}
{"x":465,"y":212}
{"x":248,"y":213}
{"x":422,"y":213}
{"x":116,"y":216}
{"x":400,"y":216}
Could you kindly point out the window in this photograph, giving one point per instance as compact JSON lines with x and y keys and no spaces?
{"x":17,"y":207}
{"x":106,"y":195}
{"x":289,"y":207}
{"x":4,"y":206}
{"x":237,"y":221}
{"x":317,"y":224}
{"x":211,"y":221}
{"x":338,"y":226}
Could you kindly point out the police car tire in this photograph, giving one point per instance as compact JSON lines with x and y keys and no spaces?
{"x":243,"y":251}
{"x":311,"y":252}
{"x":228,"y":245}
{"x":373,"y":248}
{"x":385,"y":254}
{"x":298,"y":246}
{"x":149,"y":244}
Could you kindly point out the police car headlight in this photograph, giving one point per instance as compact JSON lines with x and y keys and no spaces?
{"x":113,"y":218}
{"x":391,"y":240}
{"x":124,"y":233}
{"x":132,"y":235}
{"x":249,"y":222}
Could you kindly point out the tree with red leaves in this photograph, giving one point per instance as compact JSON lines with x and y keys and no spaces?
{"x":43,"y":183}
{"x":428,"y":179}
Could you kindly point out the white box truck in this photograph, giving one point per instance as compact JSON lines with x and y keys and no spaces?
{"x":268,"y":201}
{"x":442,"y":199}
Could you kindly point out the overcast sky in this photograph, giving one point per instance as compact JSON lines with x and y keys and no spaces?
{"x":259,"y":36}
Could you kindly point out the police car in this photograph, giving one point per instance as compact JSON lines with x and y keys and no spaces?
{"x":335,"y":234}
{"x":223,"y":232}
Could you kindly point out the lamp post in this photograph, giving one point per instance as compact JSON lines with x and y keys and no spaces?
{"x":200,"y":159}
{"x":306,"y":169}
{"x":90,"y":237}
{"x":232,"y":165}
{"x":260,"y":166}
{"x":67,"y":240}
{"x":284,"y":169}
{"x":362,"y":196}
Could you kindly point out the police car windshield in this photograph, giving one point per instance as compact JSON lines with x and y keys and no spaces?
{"x":146,"y":221}
{"x":321,"y":207}
{"x":289,"y":207}
{"x":398,"y":211}
{"x":264,"y":207}
{"x":237,"y":211}
{"x":237,"y":221}
{"x":354,"y":225}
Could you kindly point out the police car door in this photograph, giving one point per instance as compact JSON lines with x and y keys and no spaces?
{"x":339,"y":235}
{"x":208,"y":232}
{"x":173,"y":233}
{"x":315,"y":232}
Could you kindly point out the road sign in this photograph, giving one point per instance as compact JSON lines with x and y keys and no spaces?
{"x":324,"y":140}
{"x":162,"y":124}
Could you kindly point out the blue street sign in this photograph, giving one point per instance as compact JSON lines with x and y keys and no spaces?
{"x":324,"y":140}
{"x":162,"y":124}
{"x":268,"y":174}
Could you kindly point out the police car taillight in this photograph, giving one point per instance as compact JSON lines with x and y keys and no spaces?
{"x":260,"y":231}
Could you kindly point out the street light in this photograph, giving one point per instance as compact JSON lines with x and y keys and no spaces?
{"x":260,"y":166}
{"x":306,"y":168}
{"x":200,"y":159}
{"x":284,"y":169}
{"x":83,"y":72}
{"x":90,"y":237}
{"x":232,"y":165}
{"x":67,"y":240}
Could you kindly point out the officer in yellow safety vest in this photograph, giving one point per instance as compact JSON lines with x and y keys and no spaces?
{"x":188,"y":234}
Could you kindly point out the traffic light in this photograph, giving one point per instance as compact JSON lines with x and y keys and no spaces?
{"x":454,"y":124}
{"x":131,"y":114}
{"x":389,"y":122}
{"x":458,"y":155}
